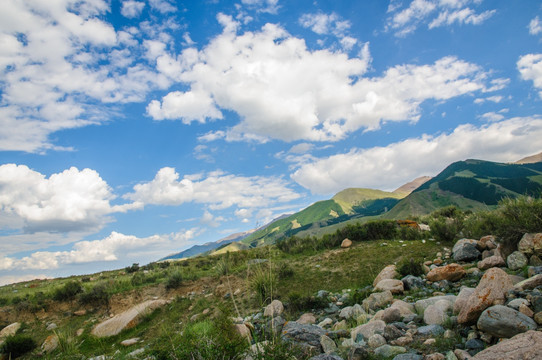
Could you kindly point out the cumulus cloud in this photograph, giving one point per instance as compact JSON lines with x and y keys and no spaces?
{"x":132,"y":9}
{"x":535,"y":26}
{"x":282,"y":90}
{"x":264,"y":6}
{"x":73,"y":200}
{"x":218,"y":190}
{"x":434,"y":13}
{"x":45,"y":91}
{"x":530,"y":68}
{"x":389,"y":167}
{"x":329,"y":24}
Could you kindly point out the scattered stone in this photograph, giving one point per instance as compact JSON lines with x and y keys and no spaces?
{"x":430,"y":330}
{"x":10,"y":330}
{"x":531,"y":244}
{"x":504,"y":322}
{"x":377,"y":300}
{"x":434,"y":356}
{"x":529,"y":283}
{"x":135,"y":353}
{"x":303,"y":334}
{"x":462,"y":354}
{"x":491,"y":261}
{"x":538,"y":318}
{"x":389,"y":272}
{"x":376,"y":340}
{"x":51,"y":326}
{"x":307,"y":318}
{"x":325,"y":322}
{"x":351,"y":312}
{"x":80,"y":312}
{"x":535,"y":261}
{"x":514,"y":304}
{"x":412,"y":282}
{"x":391,"y":315}
{"x":393,"y":285}
{"x":274,"y":309}
{"x":465,"y":252}
{"x":404,"y":308}
{"x":392,"y":332}
{"x":79,"y":332}
{"x":326,"y":357}
{"x":346,"y":243}
{"x":129,"y":342}
{"x":487,"y":242}
{"x":526,"y":345}
{"x":328,"y":345}
{"x":388,"y":351}
{"x":421,"y":305}
{"x":369,"y":329}
{"x":50,"y":344}
{"x":434,"y":315}
{"x":358,"y":353}
{"x":491,"y":290}
{"x":452,"y":272}
{"x":516,"y":260}
{"x":534,"y":270}
{"x":127,"y":319}
{"x":526,"y":310}
{"x":408,"y":356}
{"x":243,"y":331}
{"x":275,"y":325}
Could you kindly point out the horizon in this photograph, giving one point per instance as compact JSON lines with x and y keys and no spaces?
{"x":136,"y":129}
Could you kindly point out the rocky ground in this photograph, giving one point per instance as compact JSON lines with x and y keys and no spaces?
{"x":472,"y":303}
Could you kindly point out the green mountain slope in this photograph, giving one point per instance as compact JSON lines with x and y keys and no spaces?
{"x":471,"y":185}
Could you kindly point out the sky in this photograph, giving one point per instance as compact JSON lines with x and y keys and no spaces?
{"x":133,"y":129}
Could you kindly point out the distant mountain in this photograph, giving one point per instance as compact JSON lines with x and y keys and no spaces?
{"x":530,"y":159}
{"x":471,"y":185}
{"x":209,"y":246}
{"x":413,"y":185}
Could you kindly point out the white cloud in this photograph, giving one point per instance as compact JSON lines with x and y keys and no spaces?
{"x":217,"y":189}
{"x":209,"y":219}
{"x":282,"y":90}
{"x":264,"y":6}
{"x":492,"y":116}
{"x":535,"y":26}
{"x":162,"y":6}
{"x":389,"y":167}
{"x":530,"y":68}
{"x":406,"y":20}
{"x":11,"y":279}
{"x":72,"y":200}
{"x":496,"y":99}
{"x":329,"y":24}
{"x":45,"y":91}
{"x":132,"y":9}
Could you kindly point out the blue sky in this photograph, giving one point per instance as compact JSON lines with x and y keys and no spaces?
{"x":133,"y":129}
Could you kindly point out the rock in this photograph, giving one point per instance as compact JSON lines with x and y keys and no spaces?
{"x":393,"y":285}
{"x":538,"y":318}
{"x":358,"y":353}
{"x":389,"y":272}
{"x":404,"y":308}
{"x":434,"y":356}
{"x":327,"y":344}
{"x":80,"y":312}
{"x":536,"y":302}
{"x":487,"y":242}
{"x":51,"y":326}
{"x":491,"y":261}
{"x":525,"y":310}
{"x":452,"y":272}
{"x":514,"y":304}
{"x":274,"y":309}
{"x":421,"y":305}
{"x":465,"y":252}
{"x":351,"y":312}
{"x":516,"y":260}
{"x":387,"y":351}
{"x":535,"y":261}
{"x":274,"y":326}
{"x":462,"y":298}
{"x":243,"y":331}
{"x":491,"y":290}
{"x":326,"y":357}
{"x":135,"y":353}
{"x":461,"y":354}
{"x":79,"y":332}
{"x":529,"y":283}
{"x":346,"y":243}
{"x":376,"y":340}
{"x":412,"y":282}
{"x":390,"y":315}
{"x":127,"y":319}
{"x":377,"y":300}
{"x":307,"y":318}
{"x":531,"y":244}
{"x":303,"y":334}
{"x":504,"y":322}
{"x":534,"y":270}
{"x":129,"y":342}
{"x":369,"y":329}
{"x":50,"y":344}
{"x":408,"y":356}
{"x":526,"y":345}
{"x":430,"y":330}
{"x":392,"y":332}
{"x":434,"y":315}
{"x":10,"y":330}
{"x":325,"y":322}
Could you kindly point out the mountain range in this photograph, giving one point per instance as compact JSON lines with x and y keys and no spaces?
{"x":469,"y":185}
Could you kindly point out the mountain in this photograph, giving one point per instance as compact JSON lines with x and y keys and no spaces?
{"x":413,"y":185}
{"x":209,"y":246}
{"x":530,"y":159}
{"x":471,"y":185}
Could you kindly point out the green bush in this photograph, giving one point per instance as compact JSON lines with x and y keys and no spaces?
{"x":68,"y":291}
{"x":285,"y":271}
{"x":138,"y":279}
{"x":17,"y":345}
{"x":410,"y":267}
{"x":297,"y":303}
{"x":264,"y":282}
{"x":132,"y":269}
{"x":446,"y":229}
{"x":174,"y":281}
{"x":96,"y":296}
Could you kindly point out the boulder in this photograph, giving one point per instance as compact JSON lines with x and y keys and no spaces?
{"x":430,"y":330}
{"x":127,"y":319}
{"x":389,"y":272}
{"x":504,"y":322}
{"x":393,"y":285}
{"x":516,"y":260}
{"x":466,"y":252}
{"x":376,"y":340}
{"x":460,"y":243}
{"x":531,"y":244}
{"x":391,"y":315}
{"x":50,"y":344}
{"x":129,"y":342}
{"x":422,"y":304}
{"x":369,"y":329}
{"x":529,"y":283}
{"x":434,"y":315}
{"x":307,"y":318}
{"x":487,"y":242}
{"x":243,"y":331}
{"x":526,"y":345}
{"x":534,"y":270}
{"x":462,"y":298}
{"x":412,"y":282}
{"x":491,"y":261}
{"x":351,"y":312}
{"x":303,"y":334}
{"x":377,"y":300}
{"x":535,"y":260}
{"x":10,"y":330}
{"x":408,"y":356}
{"x":387,"y":351}
{"x":452,"y":272}
{"x":328,"y":345}
{"x":274,"y":309}
{"x":326,"y":357}
{"x":404,"y":308}
{"x":491,"y":290}
{"x":346,"y":243}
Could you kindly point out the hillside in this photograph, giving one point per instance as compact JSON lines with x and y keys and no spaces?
{"x":530,"y":159}
{"x":471,"y":185}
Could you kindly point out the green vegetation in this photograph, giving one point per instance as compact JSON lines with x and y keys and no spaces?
{"x":17,"y":345}
{"x":68,"y":291}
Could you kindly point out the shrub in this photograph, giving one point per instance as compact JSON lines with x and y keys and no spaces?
{"x":518,"y":216}
{"x":285,"y":271}
{"x":174,"y":281}
{"x":17,"y":345}
{"x":410,"y":267}
{"x":296,"y":302}
{"x":98,"y":295}
{"x":264,"y":282}
{"x":132,"y":269}
{"x":138,"y":279}
{"x":68,"y":291}
{"x":446,"y":229}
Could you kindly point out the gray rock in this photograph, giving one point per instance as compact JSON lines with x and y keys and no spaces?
{"x":376,"y":340}
{"x":327,"y":344}
{"x":326,"y":357}
{"x":536,"y":302}
{"x":412,"y":282}
{"x":534,"y":270}
{"x":388,"y":351}
{"x":369,"y":329}
{"x":274,"y":309}
{"x":352,"y":312}
{"x":392,"y":332}
{"x":516,"y":260}
{"x":390,"y":315}
{"x":504,"y":322}
{"x":514,"y":304}
{"x":303,"y":333}
{"x":421,"y":305}
{"x":430,"y":330}
{"x":434,"y":315}
{"x":358,"y":353}
{"x":522,"y":346}
{"x":408,"y":356}
{"x":377,"y":300}
{"x":466,"y":252}
{"x":274,"y":326}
